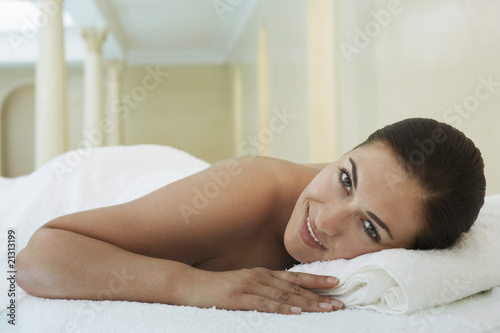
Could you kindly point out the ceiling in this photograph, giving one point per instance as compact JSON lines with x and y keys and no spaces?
{"x":139,"y":31}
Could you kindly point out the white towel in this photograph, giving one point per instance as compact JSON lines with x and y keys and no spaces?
{"x":77,"y":181}
{"x":401,"y":281}
{"x":80,"y":180}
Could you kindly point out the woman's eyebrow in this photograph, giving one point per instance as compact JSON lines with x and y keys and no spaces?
{"x":354,"y":172}
{"x":380,"y":223}
{"x":374,"y":217}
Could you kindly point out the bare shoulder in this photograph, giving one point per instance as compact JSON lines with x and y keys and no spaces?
{"x":267,"y":173}
{"x":286,"y":175}
{"x":258,"y":179}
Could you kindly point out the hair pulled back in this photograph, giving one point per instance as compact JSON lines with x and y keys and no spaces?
{"x":450,"y":171}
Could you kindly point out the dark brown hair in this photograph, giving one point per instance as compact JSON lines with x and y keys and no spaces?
{"x":450,"y":170}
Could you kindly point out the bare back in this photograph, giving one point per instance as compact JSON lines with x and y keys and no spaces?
{"x":212,"y":239}
{"x":231,"y":215}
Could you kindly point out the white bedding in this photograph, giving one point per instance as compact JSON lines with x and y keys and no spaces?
{"x":111,"y":175}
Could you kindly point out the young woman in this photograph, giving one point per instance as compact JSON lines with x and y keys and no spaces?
{"x":416,"y":184}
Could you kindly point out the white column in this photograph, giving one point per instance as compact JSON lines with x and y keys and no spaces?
{"x":50,"y":95}
{"x":323,"y":88}
{"x":92,"y":85}
{"x":238,"y":109}
{"x":263,"y":88}
{"x":114,"y":89}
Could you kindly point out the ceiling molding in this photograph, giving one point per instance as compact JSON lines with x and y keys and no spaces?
{"x":176,"y":32}
{"x":235,"y":25}
{"x":174,"y":57}
{"x":113,"y":23}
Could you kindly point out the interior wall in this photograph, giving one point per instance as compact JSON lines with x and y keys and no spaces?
{"x":189,"y":110}
{"x":393,"y":59}
{"x":286,"y":134}
{"x":397,"y":59}
{"x":436,"y":59}
{"x":323,"y":70}
{"x":187,"y":107}
{"x":18,"y":76}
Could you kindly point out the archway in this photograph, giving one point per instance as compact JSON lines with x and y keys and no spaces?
{"x":17,"y":131}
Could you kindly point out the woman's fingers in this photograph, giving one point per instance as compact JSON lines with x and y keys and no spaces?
{"x":303,"y":299}
{"x":265,"y":304}
{"x":263,"y":290}
{"x":305,"y":280}
{"x":289,"y":288}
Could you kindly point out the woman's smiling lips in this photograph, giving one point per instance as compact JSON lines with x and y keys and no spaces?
{"x":307,"y":234}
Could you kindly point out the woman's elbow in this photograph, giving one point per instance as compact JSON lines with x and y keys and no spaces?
{"x":30,"y":267}
{"x":22,"y":267}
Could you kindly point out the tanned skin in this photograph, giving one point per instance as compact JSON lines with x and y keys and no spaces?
{"x":161,"y":248}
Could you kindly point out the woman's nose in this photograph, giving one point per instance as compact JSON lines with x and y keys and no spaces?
{"x":332,"y":221}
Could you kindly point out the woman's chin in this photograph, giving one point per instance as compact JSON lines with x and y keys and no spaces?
{"x":302,"y":257}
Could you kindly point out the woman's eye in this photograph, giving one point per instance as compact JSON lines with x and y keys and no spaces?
{"x":371,"y":230}
{"x":346,"y":180}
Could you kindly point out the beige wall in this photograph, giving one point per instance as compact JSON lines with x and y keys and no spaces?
{"x":428,"y":61}
{"x":421,"y":59}
{"x":286,"y":49}
{"x":189,"y":109}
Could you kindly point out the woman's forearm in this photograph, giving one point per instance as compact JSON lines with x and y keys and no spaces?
{"x":63,"y":264}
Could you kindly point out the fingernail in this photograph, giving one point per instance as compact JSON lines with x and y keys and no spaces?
{"x":295,"y":309}
{"x":332,"y":280}
{"x":337,"y":304}
{"x":324,"y":305}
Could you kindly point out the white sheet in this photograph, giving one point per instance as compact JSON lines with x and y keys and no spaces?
{"x":112,"y":175}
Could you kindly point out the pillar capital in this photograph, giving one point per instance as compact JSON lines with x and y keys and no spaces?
{"x":44,"y":4}
{"x":94,"y":37}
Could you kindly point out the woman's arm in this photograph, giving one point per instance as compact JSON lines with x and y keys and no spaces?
{"x":143,"y":250}
{"x":63,"y":264}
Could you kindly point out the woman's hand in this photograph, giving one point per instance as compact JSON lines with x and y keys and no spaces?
{"x":261,"y":289}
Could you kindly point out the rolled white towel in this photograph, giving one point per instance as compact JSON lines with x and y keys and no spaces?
{"x":398,"y":281}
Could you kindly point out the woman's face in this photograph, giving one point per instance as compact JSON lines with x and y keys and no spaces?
{"x":362,"y":203}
